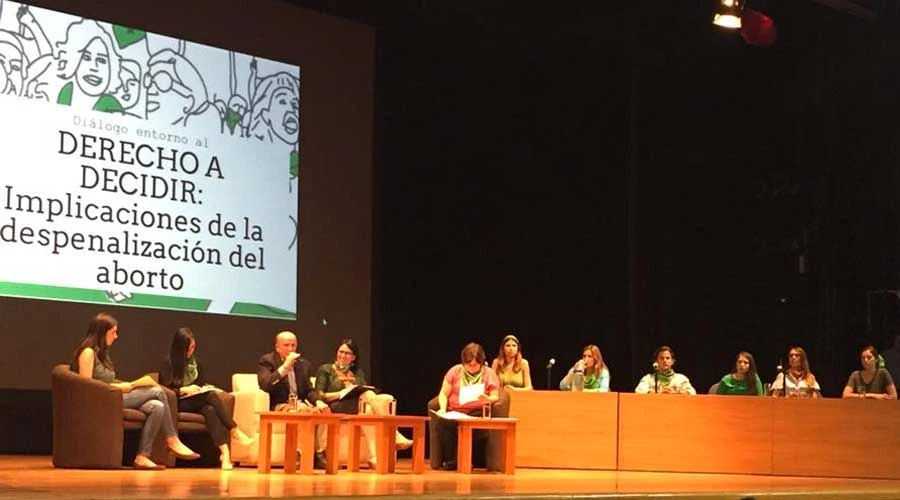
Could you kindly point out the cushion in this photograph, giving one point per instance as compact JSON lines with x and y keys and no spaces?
{"x":132,"y":415}
{"x":184,"y":416}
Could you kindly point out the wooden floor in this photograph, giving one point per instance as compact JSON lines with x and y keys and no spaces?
{"x":35,"y":477}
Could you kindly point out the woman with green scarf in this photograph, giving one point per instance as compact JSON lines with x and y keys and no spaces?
{"x":183,"y":374}
{"x":342,"y":385}
{"x":596,"y":374}
{"x":467,"y":387}
{"x":663,"y":379}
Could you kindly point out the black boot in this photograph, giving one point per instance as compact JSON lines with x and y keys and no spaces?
{"x":319,"y":461}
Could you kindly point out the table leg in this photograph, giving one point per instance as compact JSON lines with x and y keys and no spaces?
{"x":307,"y":446}
{"x":381,"y":449}
{"x":464,"y":448}
{"x":290,"y":447}
{"x":353,"y":466}
{"x":331,"y":451}
{"x":418,"y":448}
{"x":390,"y":442}
{"x":264,"y":457}
{"x":509,"y":450}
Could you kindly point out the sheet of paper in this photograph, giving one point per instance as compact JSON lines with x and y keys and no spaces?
{"x":452,"y":415}
{"x":470,"y":393}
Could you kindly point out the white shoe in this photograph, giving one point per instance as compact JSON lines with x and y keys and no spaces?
{"x":241,"y":438}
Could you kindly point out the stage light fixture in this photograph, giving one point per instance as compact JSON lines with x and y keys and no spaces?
{"x":728,"y":14}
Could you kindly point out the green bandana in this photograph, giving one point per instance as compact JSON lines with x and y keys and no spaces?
{"x":470,"y":378}
{"x":664,"y":378}
{"x":190,"y":371}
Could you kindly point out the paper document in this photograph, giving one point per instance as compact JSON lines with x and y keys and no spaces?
{"x":470,"y":393}
{"x":203,"y":390}
{"x":355,"y":390}
{"x":452,"y":415}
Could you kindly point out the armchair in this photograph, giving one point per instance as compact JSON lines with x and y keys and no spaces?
{"x":90,"y":424}
{"x":493,"y":443}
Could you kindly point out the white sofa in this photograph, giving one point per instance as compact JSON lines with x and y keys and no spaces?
{"x":249,"y":400}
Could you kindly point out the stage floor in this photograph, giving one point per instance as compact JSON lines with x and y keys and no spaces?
{"x":33,"y":477}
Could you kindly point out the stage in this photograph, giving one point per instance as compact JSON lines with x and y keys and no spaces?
{"x":33,"y":477}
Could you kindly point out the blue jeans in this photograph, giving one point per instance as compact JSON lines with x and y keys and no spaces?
{"x":153,"y":403}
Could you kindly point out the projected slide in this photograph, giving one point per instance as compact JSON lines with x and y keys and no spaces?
{"x":143,"y":170}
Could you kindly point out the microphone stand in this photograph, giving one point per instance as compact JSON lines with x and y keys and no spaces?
{"x":656,"y":381}
{"x":779,"y":368}
{"x":784,"y":374}
{"x":549,"y":370}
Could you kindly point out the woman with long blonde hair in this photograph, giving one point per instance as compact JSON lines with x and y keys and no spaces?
{"x":798,"y":381}
{"x":596,"y":373}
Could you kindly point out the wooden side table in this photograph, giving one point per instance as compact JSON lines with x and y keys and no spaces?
{"x":507,"y":429}
{"x":305,"y":423}
{"x":385,"y":444}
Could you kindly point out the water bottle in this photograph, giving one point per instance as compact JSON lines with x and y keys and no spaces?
{"x":578,"y":377}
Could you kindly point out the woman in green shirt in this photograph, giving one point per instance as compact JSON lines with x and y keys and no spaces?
{"x":743,"y":380}
{"x":342,"y":385}
{"x":511,"y":367}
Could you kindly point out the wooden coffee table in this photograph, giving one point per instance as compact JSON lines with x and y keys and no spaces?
{"x":306,"y":424}
{"x":507,"y":429}
{"x":385,"y":444}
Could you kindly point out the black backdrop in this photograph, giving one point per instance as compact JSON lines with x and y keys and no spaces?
{"x":625,"y":174}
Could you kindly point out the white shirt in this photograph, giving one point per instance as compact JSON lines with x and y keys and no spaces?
{"x":795,"y":387}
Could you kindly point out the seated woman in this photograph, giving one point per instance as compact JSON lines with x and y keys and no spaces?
{"x":596,"y":374}
{"x":467,"y":387}
{"x":664,"y":379}
{"x":92,"y":361}
{"x":335,"y":383}
{"x":743,"y":380}
{"x":511,"y":367}
{"x":871,"y":382}
{"x":183,"y":373}
{"x":801,"y":383}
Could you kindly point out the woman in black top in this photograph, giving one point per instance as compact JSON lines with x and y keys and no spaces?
{"x":183,"y":373}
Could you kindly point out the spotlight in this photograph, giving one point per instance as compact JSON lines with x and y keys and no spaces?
{"x":728,"y":14}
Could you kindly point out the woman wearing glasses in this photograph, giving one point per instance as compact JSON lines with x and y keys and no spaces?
{"x":342,"y":384}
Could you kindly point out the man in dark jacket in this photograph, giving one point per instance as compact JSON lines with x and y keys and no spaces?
{"x":284,"y":372}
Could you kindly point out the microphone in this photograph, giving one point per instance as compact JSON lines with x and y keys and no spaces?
{"x":783,"y":371}
{"x":550,"y":369}
{"x":655,"y":377}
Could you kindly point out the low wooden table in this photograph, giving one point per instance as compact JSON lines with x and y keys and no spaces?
{"x":306,"y":424}
{"x":385,"y":444}
{"x":507,"y":429}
